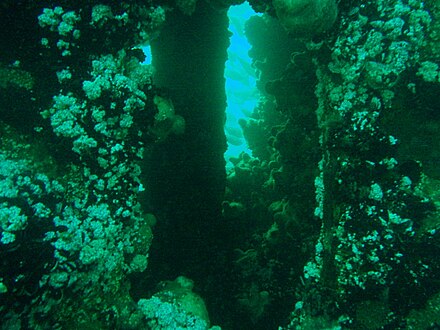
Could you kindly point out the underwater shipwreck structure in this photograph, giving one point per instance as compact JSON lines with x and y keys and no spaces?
{"x":118,"y":210}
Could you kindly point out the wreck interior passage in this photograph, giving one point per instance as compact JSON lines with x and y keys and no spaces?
{"x":276,"y":169}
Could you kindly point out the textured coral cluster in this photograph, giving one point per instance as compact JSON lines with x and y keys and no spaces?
{"x":363,"y":249}
{"x":70,"y":210}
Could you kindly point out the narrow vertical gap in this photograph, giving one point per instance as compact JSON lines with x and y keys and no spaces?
{"x":240,"y":82}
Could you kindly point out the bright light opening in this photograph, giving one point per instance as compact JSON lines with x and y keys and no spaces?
{"x":148,"y":55}
{"x":241,"y":91}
